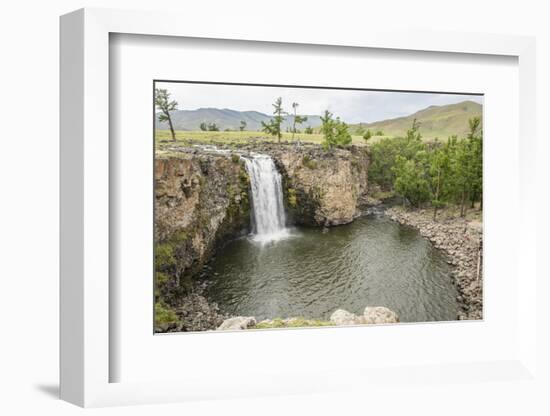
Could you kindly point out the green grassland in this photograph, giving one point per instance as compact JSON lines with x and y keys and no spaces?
{"x":163,"y":138}
{"x":435,"y":122}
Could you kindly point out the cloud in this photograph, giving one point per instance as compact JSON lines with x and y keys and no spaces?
{"x":350,"y":105}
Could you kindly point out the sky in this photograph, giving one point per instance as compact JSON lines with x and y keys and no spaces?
{"x":350,"y":106}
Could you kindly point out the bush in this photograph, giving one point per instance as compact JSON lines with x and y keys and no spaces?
{"x":292,"y":201}
{"x":308,"y":162}
{"x":335,"y":131}
{"x":294,"y":323}
{"x":164,"y":315}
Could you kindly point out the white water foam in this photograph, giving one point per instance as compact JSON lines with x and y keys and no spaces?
{"x":269,"y":220}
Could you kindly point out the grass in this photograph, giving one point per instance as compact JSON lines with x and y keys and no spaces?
{"x":382,"y":194}
{"x":435,"y":121}
{"x":163,"y":138}
{"x":308,"y":162}
{"x":164,"y":315}
{"x":293,"y":323}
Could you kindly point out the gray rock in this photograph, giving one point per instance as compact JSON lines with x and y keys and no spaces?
{"x":379,"y":315}
{"x":342,"y":317}
{"x":237,"y":323}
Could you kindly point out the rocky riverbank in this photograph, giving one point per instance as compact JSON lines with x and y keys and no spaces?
{"x":192,"y":312}
{"x":461,"y":238}
{"x":372,"y":315}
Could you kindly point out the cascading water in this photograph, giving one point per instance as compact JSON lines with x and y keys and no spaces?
{"x":269,"y":222}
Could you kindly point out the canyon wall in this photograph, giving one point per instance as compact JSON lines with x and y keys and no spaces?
{"x":323,"y":188}
{"x":202,"y":200}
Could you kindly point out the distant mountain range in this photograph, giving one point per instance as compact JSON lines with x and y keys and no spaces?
{"x":435,"y":121}
{"x":227,"y":119}
{"x":439,"y":121}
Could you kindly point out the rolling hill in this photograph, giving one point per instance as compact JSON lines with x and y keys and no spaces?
{"x":435,"y":121}
{"x":226,"y":119}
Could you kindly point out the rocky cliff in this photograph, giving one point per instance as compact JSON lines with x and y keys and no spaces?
{"x":202,"y":201}
{"x":323,"y":188}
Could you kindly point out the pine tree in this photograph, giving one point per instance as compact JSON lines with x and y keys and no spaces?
{"x":410,"y":179}
{"x":297,"y":119}
{"x":335,"y":131}
{"x":274,"y":125}
{"x":440,"y":172}
{"x":367,"y":135}
{"x":213,"y":127}
{"x":165,"y":105}
{"x":475,"y":136}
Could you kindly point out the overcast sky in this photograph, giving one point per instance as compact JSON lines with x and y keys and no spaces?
{"x":350,"y":106}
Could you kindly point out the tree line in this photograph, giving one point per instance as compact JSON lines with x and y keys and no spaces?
{"x":166,"y":105}
{"x":438,"y":173}
{"x":274,"y":126}
{"x":335,"y":132}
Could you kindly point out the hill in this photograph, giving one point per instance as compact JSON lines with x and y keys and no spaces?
{"x":226,"y":119}
{"x":435,"y":121}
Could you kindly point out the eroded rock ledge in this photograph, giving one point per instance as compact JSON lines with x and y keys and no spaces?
{"x":323,"y":188}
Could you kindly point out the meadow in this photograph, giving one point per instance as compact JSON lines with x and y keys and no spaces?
{"x":163,"y":138}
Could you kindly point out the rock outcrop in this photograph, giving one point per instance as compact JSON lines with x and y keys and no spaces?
{"x":342,"y":317}
{"x":201,"y":199}
{"x":371,"y":316}
{"x":237,"y":323}
{"x":323,"y":188}
{"x":379,"y":315}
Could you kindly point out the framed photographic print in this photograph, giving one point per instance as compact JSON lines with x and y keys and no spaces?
{"x":313,"y":205}
{"x":296,"y":213}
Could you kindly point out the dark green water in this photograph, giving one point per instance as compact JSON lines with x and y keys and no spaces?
{"x":372,"y":261}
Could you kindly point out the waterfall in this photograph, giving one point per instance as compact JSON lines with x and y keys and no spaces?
{"x":268,"y":213}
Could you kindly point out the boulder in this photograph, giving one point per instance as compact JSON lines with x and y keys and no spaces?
{"x":379,"y":315}
{"x":342,"y":317}
{"x":237,"y":323}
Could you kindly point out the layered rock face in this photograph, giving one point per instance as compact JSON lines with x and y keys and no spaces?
{"x":200,"y":200}
{"x":323,"y":188}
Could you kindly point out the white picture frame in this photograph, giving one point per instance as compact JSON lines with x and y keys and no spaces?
{"x":85,"y":211}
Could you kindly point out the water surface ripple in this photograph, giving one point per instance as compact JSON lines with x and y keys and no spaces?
{"x":372,"y":261}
